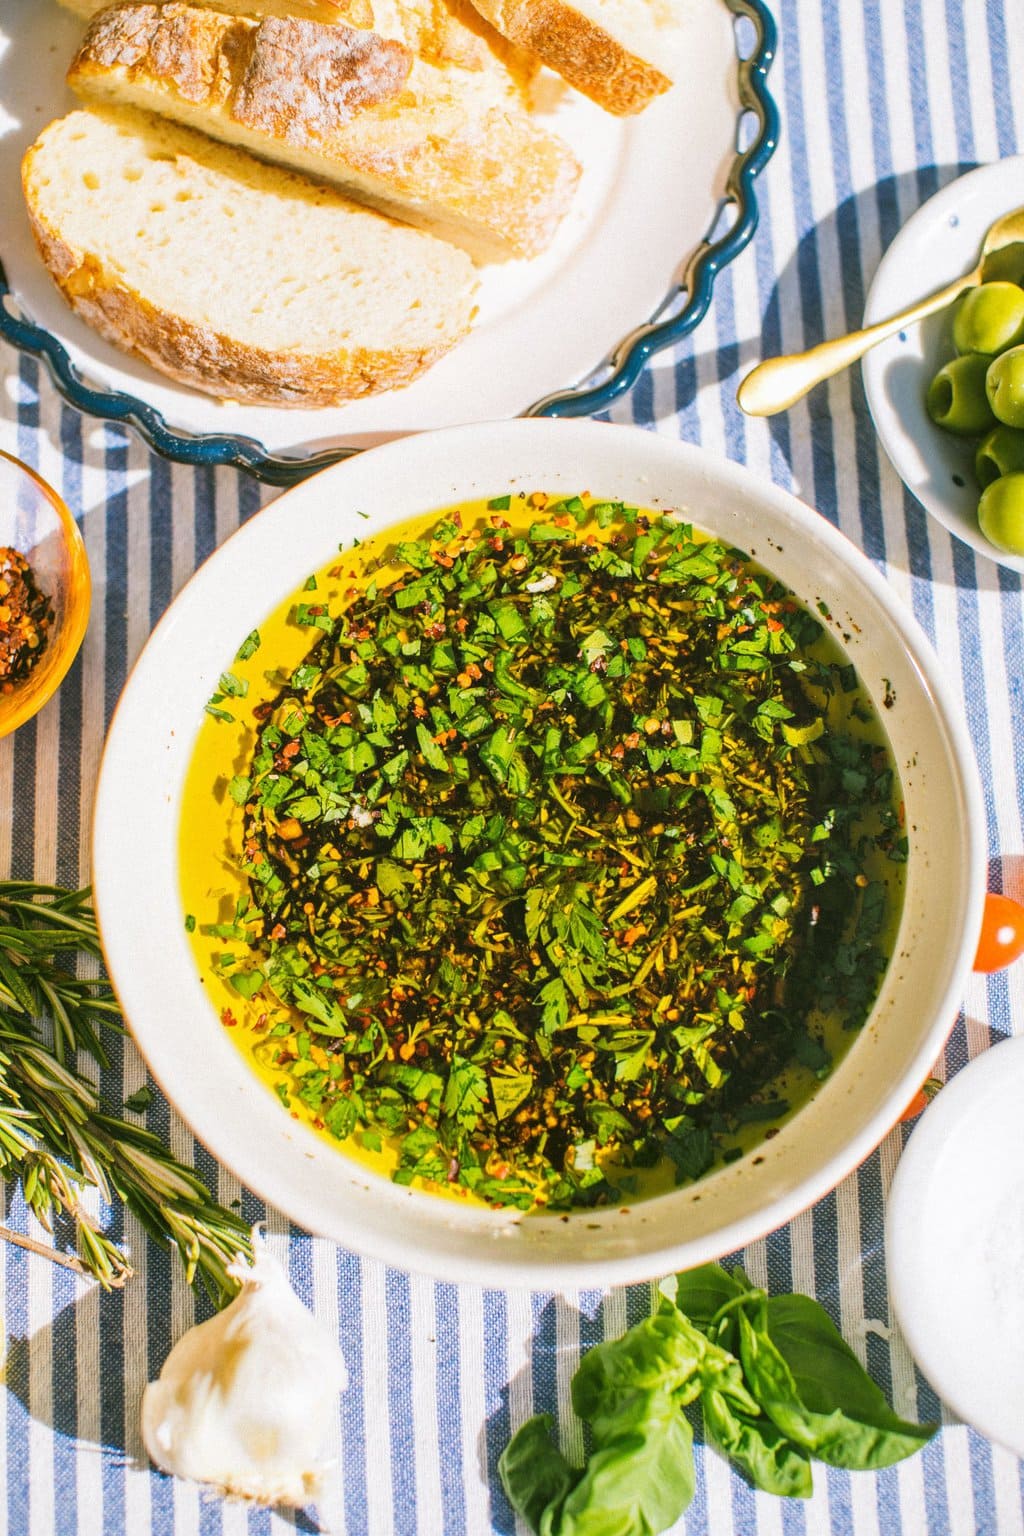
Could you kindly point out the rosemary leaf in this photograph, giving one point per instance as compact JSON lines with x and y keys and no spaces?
{"x":55,"y":1136}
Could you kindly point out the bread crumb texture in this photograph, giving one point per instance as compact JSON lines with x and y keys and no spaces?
{"x":238,"y":278}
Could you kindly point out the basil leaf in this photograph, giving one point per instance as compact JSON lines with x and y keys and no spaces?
{"x":825,"y":1401}
{"x":702,"y":1292}
{"x":535,"y":1475}
{"x":758,"y":1447}
{"x":662,"y":1353}
{"x":641,"y":1477}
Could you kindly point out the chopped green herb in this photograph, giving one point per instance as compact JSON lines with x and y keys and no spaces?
{"x":232,"y":686}
{"x":249,"y":646}
{"x":560,"y":848}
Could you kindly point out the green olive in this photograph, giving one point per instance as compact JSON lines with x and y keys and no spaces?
{"x":956,"y":396}
{"x":1004,"y":384}
{"x":1001,"y":452}
{"x":989,"y":318}
{"x":1001,"y":513}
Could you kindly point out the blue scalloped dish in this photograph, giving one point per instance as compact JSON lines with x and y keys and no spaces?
{"x":666,"y":201}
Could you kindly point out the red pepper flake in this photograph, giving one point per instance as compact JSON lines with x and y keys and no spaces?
{"x":26,"y":617}
{"x":228,"y":1019}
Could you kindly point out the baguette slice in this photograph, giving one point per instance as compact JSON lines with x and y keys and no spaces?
{"x":242,"y":280}
{"x":434,"y":147}
{"x":450,"y":32}
{"x":620,"y":53}
{"x":357,"y":13}
{"x":440,"y":31}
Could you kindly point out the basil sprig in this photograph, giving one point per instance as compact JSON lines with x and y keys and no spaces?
{"x":777,"y":1386}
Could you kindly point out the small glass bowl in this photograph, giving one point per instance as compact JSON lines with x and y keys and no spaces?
{"x":35,"y":522}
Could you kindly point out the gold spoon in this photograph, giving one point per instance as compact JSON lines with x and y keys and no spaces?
{"x":780,"y":382}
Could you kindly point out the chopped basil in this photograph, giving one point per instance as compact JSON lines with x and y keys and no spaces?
{"x":560,"y":848}
{"x":249,"y":646}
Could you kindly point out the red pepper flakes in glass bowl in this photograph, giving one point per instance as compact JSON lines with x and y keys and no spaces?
{"x":45,"y":592}
{"x":26,"y":618}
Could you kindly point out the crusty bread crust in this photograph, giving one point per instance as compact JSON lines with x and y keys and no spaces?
{"x":440,"y":31}
{"x":203,"y":358}
{"x":579,"y":50}
{"x":343,"y":105}
{"x":358,"y":13}
{"x":296,"y":79}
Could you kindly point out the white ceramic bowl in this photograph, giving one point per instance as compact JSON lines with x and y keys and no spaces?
{"x":938,"y":243}
{"x":135,"y":860}
{"x":955,"y":1244}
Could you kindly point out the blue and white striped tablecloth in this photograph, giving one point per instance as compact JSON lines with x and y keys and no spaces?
{"x":882,"y":102}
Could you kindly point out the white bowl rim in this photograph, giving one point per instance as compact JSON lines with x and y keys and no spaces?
{"x":269,"y":1152}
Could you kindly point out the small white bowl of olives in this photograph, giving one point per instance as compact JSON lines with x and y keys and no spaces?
{"x":947,"y":395}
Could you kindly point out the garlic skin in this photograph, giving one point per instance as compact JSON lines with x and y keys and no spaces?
{"x":244,"y":1400}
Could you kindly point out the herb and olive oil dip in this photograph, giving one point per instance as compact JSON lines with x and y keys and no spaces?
{"x":545,"y":852}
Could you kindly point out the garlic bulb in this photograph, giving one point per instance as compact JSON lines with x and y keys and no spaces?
{"x":244,"y":1399}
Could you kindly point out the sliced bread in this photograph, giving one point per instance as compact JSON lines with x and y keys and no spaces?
{"x":620,"y":53}
{"x":357,"y":13}
{"x":451,"y":32}
{"x":440,"y":31}
{"x":238,"y":278}
{"x":435,"y":147}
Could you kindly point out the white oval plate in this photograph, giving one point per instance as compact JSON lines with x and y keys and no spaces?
{"x":649,"y":194}
{"x":955,"y":1244}
{"x":135,"y":859}
{"x":941,"y":240}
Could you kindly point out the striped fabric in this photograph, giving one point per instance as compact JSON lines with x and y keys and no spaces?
{"x":883,"y":101}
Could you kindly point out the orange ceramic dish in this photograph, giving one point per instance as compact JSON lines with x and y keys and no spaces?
{"x":35,"y":522}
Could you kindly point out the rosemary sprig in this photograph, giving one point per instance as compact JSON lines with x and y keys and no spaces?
{"x":55,"y":1136}
{"x":38,"y":923}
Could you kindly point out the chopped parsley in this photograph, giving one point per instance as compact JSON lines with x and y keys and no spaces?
{"x":558,"y":848}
